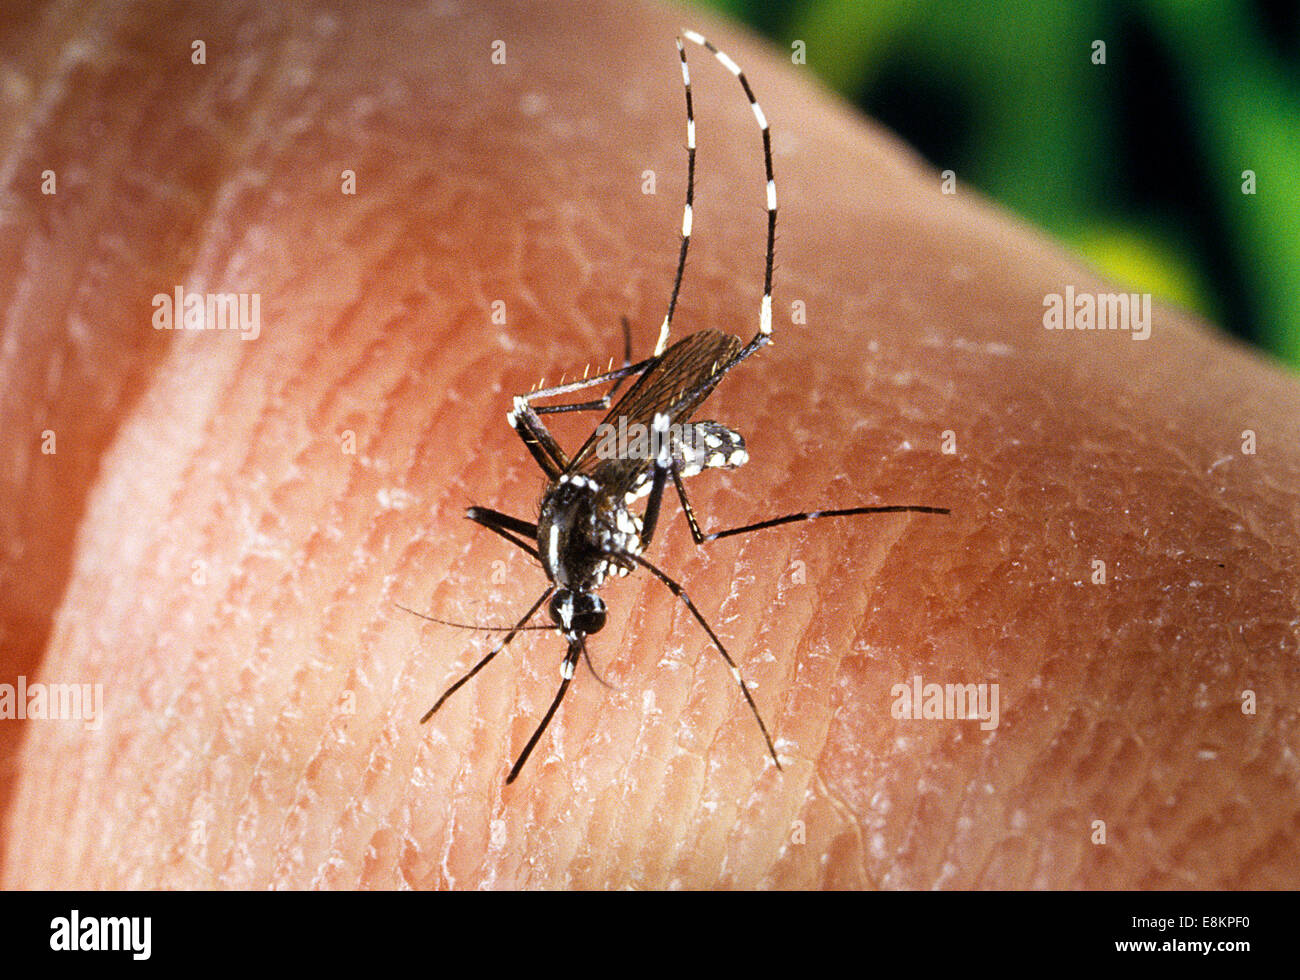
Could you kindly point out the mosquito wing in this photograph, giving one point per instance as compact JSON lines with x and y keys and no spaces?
{"x":682,"y":367}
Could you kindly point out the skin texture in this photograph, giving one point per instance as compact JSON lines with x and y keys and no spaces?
{"x":205,"y":546}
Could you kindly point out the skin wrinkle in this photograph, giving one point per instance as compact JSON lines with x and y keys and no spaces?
{"x":182,"y":722}
{"x":249,"y":473}
{"x":211,"y":533}
{"x":302,"y":790}
{"x":344,"y":586}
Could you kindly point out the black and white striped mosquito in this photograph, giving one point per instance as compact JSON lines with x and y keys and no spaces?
{"x":586,"y":529}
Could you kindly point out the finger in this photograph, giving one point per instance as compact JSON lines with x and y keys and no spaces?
{"x":261,"y":715}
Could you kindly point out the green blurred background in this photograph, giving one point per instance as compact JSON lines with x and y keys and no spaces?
{"x":1139,"y":164}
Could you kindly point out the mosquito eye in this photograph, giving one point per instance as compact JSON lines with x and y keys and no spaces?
{"x":590,"y":617}
{"x":561,"y":608}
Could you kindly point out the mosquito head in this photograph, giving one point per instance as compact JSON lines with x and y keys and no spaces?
{"x":577,"y":612}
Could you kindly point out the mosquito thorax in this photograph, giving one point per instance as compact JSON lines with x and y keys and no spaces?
{"x":579,"y":530}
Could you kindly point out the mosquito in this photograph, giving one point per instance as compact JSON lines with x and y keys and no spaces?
{"x":587,"y":530}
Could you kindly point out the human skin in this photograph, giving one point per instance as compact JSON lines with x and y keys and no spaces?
{"x":205,"y":546}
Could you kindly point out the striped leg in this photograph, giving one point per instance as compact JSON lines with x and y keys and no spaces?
{"x":765,"y":307}
{"x":678,"y":591}
{"x":605,"y":400}
{"x":687,"y":211}
{"x":525,"y":418}
{"x":764,"y":335}
{"x":812,"y":515}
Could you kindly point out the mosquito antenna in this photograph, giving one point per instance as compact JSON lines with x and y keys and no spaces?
{"x":471,"y":626}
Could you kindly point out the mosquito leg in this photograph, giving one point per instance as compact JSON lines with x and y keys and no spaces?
{"x":687,"y":211}
{"x":566,"y":674}
{"x":488,"y":659}
{"x":525,"y":417}
{"x":510,"y":528}
{"x":663,"y":465}
{"x":627,"y":359}
{"x":764,"y":335}
{"x":615,"y":374}
{"x":687,"y":509}
{"x":678,"y":591}
{"x":534,"y":434}
{"x":618,"y":374}
{"x":813,"y":515}
{"x":605,"y":400}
